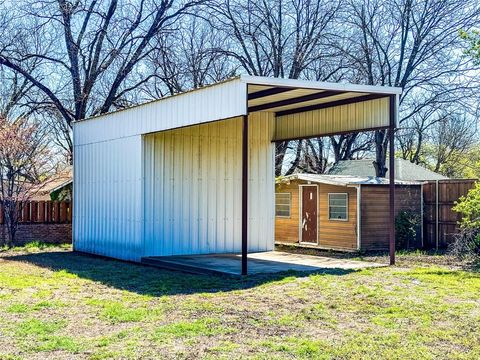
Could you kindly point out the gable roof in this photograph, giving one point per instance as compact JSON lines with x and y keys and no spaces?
{"x":342,"y":180}
{"x":404,"y":170}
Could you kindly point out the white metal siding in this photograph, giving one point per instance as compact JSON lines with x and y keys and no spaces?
{"x":193,"y":181}
{"x":107,"y":198}
{"x":212,"y":103}
{"x":357,"y":116}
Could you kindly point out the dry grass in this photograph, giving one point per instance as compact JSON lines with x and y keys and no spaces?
{"x":60,"y":305}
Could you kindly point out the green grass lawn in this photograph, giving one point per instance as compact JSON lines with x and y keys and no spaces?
{"x":59,"y":304}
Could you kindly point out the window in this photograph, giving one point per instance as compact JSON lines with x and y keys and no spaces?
{"x":282,"y":204}
{"x":338,"y":207}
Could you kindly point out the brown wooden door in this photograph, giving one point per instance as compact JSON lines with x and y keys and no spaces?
{"x":309,"y":214}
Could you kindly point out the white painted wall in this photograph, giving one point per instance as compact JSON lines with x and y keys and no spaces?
{"x":193,"y":181}
{"x":108,"y":198}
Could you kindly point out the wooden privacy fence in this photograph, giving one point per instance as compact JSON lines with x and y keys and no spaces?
{"x":440,"y":221}
{"x":45,"y":212}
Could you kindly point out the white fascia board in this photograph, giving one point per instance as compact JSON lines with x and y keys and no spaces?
{"x":320,"y":85}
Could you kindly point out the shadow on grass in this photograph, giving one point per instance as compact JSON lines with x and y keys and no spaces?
{"x":148,"y":280}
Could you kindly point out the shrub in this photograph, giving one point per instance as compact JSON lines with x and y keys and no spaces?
{"x":467,"y":242}
{"x":406,"y":228}
{"x":469,"y":207}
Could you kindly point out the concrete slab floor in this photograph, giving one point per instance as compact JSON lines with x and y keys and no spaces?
{"x":258,"y":263}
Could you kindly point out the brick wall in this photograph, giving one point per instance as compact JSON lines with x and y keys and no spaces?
{"x":45,"y":221}
{"x":49,"y":233}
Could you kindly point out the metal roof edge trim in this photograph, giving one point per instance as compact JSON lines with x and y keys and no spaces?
{"x":320,"y":85}
{"x":336,"y":180}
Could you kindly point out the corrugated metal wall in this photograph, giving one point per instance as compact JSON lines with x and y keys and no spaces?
{"x":357,"y":116}
{"x":192,"y":201}
{"x":212,"y":103}
{"x":107,"y":198}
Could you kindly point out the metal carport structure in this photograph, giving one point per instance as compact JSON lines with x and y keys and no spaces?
{"x":163,"y":178}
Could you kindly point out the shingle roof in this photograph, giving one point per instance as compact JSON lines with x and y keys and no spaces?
{"x":343,"y":180}
{"x":404,"y":170}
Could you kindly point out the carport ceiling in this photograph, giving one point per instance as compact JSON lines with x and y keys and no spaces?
{"x":291,"y":100}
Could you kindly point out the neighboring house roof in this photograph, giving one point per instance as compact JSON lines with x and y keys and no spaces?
{"x":404,"y":170}
{"x":56,"y":183}
{"x":342,"y":180}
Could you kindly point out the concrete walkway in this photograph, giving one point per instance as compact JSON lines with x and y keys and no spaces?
{"x":258,"y":263}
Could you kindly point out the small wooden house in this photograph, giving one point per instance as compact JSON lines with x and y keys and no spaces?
{"x":340,"y":212}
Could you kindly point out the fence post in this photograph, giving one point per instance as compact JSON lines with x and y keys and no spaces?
{"x":56,"y":212}
{"x":34,"y":211}
{"x":436,"y":215}
{"x":48,"y":211}
{"x":63,"y":212}
{"x":421,"y":216}
{"x":69,"y":211}
{"x":41,"y":211}
{"x":25,"y":212}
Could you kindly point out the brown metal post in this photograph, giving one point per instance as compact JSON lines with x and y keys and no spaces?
{"x":391,"y":172}
{"x":245,"y":195}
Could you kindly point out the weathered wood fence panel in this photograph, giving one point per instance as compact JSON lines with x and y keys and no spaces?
{"x":44,"y":212}
{"x":440,"y":221}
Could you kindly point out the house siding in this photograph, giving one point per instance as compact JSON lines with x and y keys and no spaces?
{"x":342,"y":235}
{"x":332,"y":234}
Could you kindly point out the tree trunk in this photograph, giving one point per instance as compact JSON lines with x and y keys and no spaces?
{"x":11,"y":220}
{"x":381,"y":146}
{"x":281,"y":148}
{"x":296,"y":161}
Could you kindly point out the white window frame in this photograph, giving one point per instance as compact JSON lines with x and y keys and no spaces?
{"x":346,"y":207}
{"x":289,"y":205}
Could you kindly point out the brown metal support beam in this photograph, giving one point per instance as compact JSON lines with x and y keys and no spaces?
{"x":391,"y":172}
{"x":245,"y":195}
{"x":332,"y":134}
{"x":296,"y":100}
{"x":268,"y":92}
{"x":332,"y":104}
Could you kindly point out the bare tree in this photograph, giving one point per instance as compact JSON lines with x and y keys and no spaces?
{"x":450,"y":139}
{"x":295,"y":156}
{"x":316,"y":155}
{"x":281,"y":38}
{"x":349,"y":146}
{"x":24,"y":161}
{"x":413,"y":45}
{"x":94,"y":48}
{"x":188,"y":58}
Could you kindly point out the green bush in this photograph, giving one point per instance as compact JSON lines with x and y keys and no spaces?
{"x":469,"y":207}
{"x":406,"y":228}
{"x":467,"y":242}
